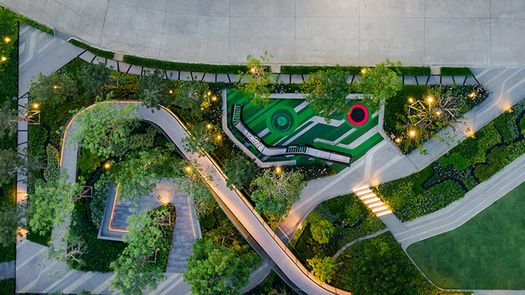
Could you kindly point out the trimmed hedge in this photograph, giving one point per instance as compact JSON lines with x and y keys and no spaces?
{"x":96,"y":51}
{"x":415,"y":71}
{"x":179,"y":66}
{"x":298,"y":70}
{"x":453,"y":71}
{"x":461,"y":169}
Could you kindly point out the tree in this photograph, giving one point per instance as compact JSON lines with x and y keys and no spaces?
{"x":9,"y":220}
{"x":10,"y":163}
{"x":54,"y":89}
{"x":274,"y":193}
{"x":193,"y":185}
{"x":135,"y":269}
{"x":192,"y":96}
{"x":51,"y":202}
{"x":52,"y":171}
{"x":93,"y":77}
{"x":239,"y":170}
{"x":323,"y":268}
{"x":326,"y":91}
{"x":321,"y":229}
{"x":203,"y":139}
{"x":153,"y":89}
{"x":8,"y":120}
{"x":105,"y":129}
{"x":213,"y":269}
{"x":257,"y":80}
{"x":380,"y":82}
{"x":138,"y":173}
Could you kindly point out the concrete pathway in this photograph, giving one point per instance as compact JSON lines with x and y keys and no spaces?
{"x":7,"y":270}
{"x":384,"y":162}
{"x":462,"y":210}
{"x":454,"y":32}
{"x":245,"y":215}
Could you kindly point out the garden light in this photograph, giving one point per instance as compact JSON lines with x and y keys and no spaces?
{"x":472,"y":95}
{"x":253,"y":70}
{"x":36,"y":105}
{"x":430,"y":99}
{"x":187,"y":169}
{"x":410,"y":100}
{"x":7,"y":39}
{"x":398,"y":140}
{"x":3,"y":58}
{"x":209,"y":126}
{"x":508,"y":110}
{"x":438,"y":113}
{"x":412,"y":133}
{"x":209,"y":93}
{"x":278,"y":169}
{"x":55,"y":87}
{"x":219,"y":137}
{"x":214,"y":98}
{"x":107,"y":165}
{"x":363,"y":70}
{"x":170,"y":91}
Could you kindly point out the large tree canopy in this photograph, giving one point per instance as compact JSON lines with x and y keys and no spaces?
{"x":275,"y":192}
{"x":321,"y":229}
{"x":326,"y":91}
{"x":380,"y":82}
{"x":10,"y":164}
{"x":258,"y":80}
{"x":54,"y":89}
{"x":214,"y":269}
{"x":239,"y":169}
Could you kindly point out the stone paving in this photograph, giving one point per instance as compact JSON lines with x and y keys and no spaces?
{"x":452,"y":32}
{"x":7,"y":270}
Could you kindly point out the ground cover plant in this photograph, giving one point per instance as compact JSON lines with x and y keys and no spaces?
{"x":348,"y":217}
{"x":419,"y":112}
{"x":379,"y":266}
{"x":474,"y":160}
{"x":484,"y":253}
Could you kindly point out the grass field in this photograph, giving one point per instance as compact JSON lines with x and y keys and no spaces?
{"x":285,"y":122}
{"x":487,"y":252}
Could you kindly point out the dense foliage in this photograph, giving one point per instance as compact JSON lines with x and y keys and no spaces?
{"x":239,"y":169}
{"x":326,"y":91}
{"x":323,"y":268}
{"x":275,"y":192}
{"x":474,"y":160}
{"x":380,"y":82}
{"x":178,"y":66}
{"x":258,"y":81}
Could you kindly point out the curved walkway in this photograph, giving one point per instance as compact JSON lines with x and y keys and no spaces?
{"x":462,"y":210}
{"x":483,"y":32}
{"x":266,"y":239}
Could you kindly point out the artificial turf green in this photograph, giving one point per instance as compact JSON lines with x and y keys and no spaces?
{"x":487,"y":252}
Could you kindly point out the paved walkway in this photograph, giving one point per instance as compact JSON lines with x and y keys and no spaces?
{"x":462,"y":210}
{"x":233,"y":201}
{"x":454,"y":32}
{"x":384,"y":162}
{"x":7,"y":270}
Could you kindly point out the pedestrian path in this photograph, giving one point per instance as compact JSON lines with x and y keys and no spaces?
{"x":7,"y":270}
{"x":462,"y":210}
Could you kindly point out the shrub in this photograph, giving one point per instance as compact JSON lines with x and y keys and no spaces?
{"x":299,"y":70}
{"x":321,"y":229}
{"x":99,"y":199}
{"x":187,"y":67}
{"x":450,"y":71}
{"x":499,"y":158}
{"x":95,"y":51}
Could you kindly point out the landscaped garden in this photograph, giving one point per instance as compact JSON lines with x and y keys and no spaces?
{"x":484,"y":253}
{"x":466,"y":165}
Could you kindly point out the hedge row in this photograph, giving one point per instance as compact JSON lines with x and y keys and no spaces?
{"x":449,"y":71}
{"x":187,"y":67}
{"x":351,"y":70}
{"x":96,"y":51}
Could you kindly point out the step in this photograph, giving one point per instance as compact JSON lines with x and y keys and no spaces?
{"x":366,"y":196}
{"x":371,"y":200}
{"x":375,"y":205}
{"x":362,"y":191}
{"x":382,"y":212}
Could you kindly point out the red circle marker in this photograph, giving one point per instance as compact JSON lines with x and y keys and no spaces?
{"x":357,"y":115}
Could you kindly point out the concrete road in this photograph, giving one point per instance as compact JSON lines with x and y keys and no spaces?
{"x":449,"y":32}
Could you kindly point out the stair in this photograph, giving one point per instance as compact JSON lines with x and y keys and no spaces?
{"x":236,"y":117}
{"x":296,"y":150}
{"x":370,"y":199}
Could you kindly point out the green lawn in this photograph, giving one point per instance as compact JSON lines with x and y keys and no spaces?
{"x":487,"y":252}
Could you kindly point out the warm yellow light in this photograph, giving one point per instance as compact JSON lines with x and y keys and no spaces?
{"x":214,"y":98}
{"x":278,"y":169}
{"x":3,"y":58}
{"x":107,"y":165}
{"x":187,"y":169}
{"x":209,"y":126}
{"x":7,"y":39}
{"x":398,"y":140}
{"x":438,"y":113}
{"x":410,"y":100}
{"x":508,"y":110}
{"x":412,"y":133}
{"x":36,"y":105}
{"x":363,"y":70}
{"x":472,"y":94}
{"x":209,"y":93}
{"x":430,"y":99}
{"x":219,"y":137}
{"x":253,"y":70}
{"x":56,"y":87}
{"x":170,"y":91}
